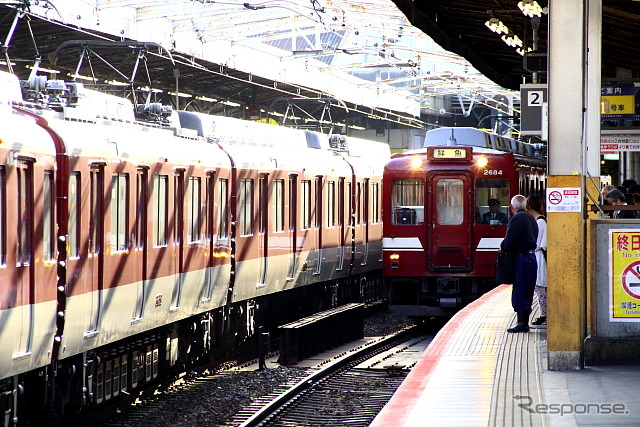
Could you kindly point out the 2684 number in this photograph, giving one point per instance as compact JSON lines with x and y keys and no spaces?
{"x":493,"y":172}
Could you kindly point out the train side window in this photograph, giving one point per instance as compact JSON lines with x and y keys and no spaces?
{"x":358,"y":203}
{"x":277,"y":205}
{"x":374,"y":203}
{"x":3,"y":217}
{"x":119,"y":211}
{"x":245,"y":202}
{"x":223,"y":209}
{"x":488,"y":190}
{"x":262,"y":201}
{"x":331,"y":204}
{"x":450,"y":201}
{"x":209,"y":195}
{"x":96,"y":211}
{"x":141,"y":207}
{"x":48,"y":238}
{"x":366,"y":202}
{"x":407,"y":201}
{"x":25,"y":212}
{"x":160,"y":213}
{"x":341,"y":203}
{"x":193,"y":209}
{"x":178,"y":210}
{"x":305,"y":204}
{"x":318,"y":202}
{"x":350,"y":212}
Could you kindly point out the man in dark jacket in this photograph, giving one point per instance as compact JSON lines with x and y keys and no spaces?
{"x":522,"y":234}
{"x":617,"y":198}
{"x":494,"y":216}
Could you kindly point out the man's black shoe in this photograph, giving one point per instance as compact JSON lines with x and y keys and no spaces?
{"x":542,"y":320}
{"x":520,"y":327}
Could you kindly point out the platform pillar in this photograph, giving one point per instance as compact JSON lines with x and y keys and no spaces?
{"x":573,"y":144}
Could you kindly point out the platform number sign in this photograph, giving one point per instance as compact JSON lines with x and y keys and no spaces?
{"x":535,"y":98}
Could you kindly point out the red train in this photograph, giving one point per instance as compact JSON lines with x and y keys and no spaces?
{"x":130,"y":250}
{"x":439,"y":240}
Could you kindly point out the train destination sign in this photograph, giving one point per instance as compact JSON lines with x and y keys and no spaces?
{"x":440,"y":153}
{"x":624,"y":292}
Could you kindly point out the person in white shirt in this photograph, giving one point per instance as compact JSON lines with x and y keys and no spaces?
{"x":535,"y":208}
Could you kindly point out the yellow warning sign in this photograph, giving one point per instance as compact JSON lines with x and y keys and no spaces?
{"x":625,"y":275}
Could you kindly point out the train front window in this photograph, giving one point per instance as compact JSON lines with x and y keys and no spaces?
{"x":492,"y":201}
{"x":407,"y":201}
{"x":450,"y":201}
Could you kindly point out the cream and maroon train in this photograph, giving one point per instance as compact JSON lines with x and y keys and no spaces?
{"x":130,"y":250}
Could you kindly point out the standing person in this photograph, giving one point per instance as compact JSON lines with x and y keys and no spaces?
{"x":535,"y":208}
{"x":522,"y":234}
{"x":617,"y":198}
{"x":603,"y":193}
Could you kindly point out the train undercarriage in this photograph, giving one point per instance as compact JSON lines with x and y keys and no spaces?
{"x":434,"y":296}
{"x":113,"y":375}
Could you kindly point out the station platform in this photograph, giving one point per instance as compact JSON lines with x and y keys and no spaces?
{"x":475,"y":373}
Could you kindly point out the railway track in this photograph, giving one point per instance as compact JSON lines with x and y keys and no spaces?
{"x":234,"y":393}
{"x":349,"y":390}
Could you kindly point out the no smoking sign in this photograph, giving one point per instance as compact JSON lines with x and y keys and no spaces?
{"x":631,"y":279}
{"x":564,"y":199}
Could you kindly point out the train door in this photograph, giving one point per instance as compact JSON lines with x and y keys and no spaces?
{"x":451,"y":219}
{"x":263,"y":212}
{"x":95,"y":259}
{"x":318,"y":209}
{"x":140,"y":252}
{"x":365,"y":219}
{"x":293,"y":223}
{"x":209,"y":194}
{"x":341,"y":223}
{"x":178,"y":242}
{"x":25,"y":264}
{"x":195,"y":252}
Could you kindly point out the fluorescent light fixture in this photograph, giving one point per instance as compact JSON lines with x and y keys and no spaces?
{"x":496,"y":25}
{"x":521,"y":51}
{"x":81,"y":77}
{"x":512,"y":40}
{"x":148,"y":89}
{"x":180,"y":94}
{"x":530,"y":8}
{"x":117,"y":83}
{"x":206,"y":98}
{"x":44,"y":70}
{"x":231,"y":104}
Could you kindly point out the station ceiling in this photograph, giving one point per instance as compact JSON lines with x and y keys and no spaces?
{"x":155,"y":43}
{"x":459,"y":26}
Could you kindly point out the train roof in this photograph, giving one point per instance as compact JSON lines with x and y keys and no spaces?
{"x":481,"y":138}
{"x":476,"y":150}
{"x":262,"y":145}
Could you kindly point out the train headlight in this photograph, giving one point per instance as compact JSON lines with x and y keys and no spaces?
{"x":416,"y":162}
{"x":395,"y":260}
{"x":482,"y":161}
